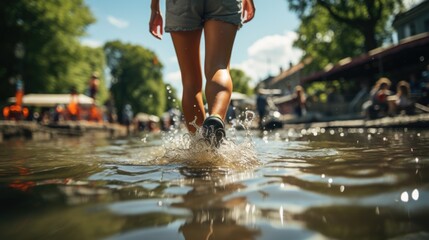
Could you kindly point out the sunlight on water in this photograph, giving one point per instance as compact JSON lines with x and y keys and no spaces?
{"x":192,"y":150}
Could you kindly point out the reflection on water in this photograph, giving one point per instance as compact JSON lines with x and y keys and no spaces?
{"x":314,"y":183}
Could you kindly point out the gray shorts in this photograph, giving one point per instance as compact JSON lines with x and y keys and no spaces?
{"x":187,"y":15}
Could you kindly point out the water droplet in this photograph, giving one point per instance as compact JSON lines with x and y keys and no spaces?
{"x":418,"y":134}
{"x":342,"y":188}
{"x":404,"y":197}
{"x":377,"y":210}
{"x":415,"y":194}
{"x":323,"y":175}
{"x":341,"y":134}
{"x":385,"y":139}
{"x":159,"y":203}
{"x":417,"y":160}
{"x":330,"y":180}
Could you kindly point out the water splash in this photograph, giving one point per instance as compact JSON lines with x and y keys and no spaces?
{"x":192,"y":150}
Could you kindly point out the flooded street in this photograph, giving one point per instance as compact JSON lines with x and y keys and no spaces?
{"x":310,"y":184}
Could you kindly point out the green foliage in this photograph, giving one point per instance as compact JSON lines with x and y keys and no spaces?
{"x":240,"y":82}
{"x":318,"y":90}
{"x":49,"y":31}
{"x":325,"y":40}
{"x":333,"y":29}
{"x":136,"y":78}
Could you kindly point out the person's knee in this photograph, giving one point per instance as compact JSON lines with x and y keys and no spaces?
{"x":219,"y":76}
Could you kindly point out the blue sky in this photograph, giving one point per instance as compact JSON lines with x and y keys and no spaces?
{"x":261,"y":48}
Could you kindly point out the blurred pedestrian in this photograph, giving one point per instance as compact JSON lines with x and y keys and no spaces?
{"x":127,"y":116}
{"x":401,"y":101}
{"x":261,"y":107}
{"x":73,"y":108}
{"x":94,"y":83}
{"x":377,"y":106}
{"x":300,"y":101}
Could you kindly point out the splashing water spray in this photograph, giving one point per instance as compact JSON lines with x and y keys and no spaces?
{"x":192,"y":150}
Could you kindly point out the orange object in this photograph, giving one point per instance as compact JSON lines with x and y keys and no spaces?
{"x":19,"y":96}
{"x":94,"y":114}
{"x":6,"y":112}
{"x":25,"y":112}
{"x":73,"y":107}
{"x":15,"y":108}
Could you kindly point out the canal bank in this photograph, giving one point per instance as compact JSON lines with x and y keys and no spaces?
{"x":36,"y":131}
{"x":405,"y":121}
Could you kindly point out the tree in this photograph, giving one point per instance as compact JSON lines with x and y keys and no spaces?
{"x":325,"y":40}
{"x":240,"y":82}
{"x":48,"y":31}
{"x":369,"y":17}
{"x":136,"y":78}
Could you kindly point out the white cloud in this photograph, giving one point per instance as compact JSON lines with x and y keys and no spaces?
{"x":91,"y":43}
{"x":173,"y":77}
{"x":268,"y":54}
{"x":119,"y":23}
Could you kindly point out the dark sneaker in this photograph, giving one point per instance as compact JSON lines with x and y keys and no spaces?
{"x":213,"y":130}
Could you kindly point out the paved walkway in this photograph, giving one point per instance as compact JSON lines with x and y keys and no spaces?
{"x":416,"y":121}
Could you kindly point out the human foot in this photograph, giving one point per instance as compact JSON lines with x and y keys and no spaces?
{"x":214,"y":130}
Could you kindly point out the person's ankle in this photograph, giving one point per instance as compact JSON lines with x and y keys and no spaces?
{"x":216,"y":115}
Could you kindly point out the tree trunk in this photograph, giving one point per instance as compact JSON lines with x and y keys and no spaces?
{"x":369,"y":34}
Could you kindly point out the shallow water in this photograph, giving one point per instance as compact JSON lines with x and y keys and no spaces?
{"x":310,"y":184}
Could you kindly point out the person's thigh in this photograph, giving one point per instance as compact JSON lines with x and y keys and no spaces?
{"x":187,"y":47}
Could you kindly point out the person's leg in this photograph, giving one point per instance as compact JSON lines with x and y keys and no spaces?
{"x":219,"y":40}
{"x":187,"y":46}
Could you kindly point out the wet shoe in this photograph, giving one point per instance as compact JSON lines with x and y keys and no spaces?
{"x":214,"y":130}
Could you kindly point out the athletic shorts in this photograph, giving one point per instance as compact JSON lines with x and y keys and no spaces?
{"x":188,"y":15}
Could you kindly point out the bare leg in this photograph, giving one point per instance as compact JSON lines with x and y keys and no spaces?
{"x":219,"y":40}
{"x":187,"y":46}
